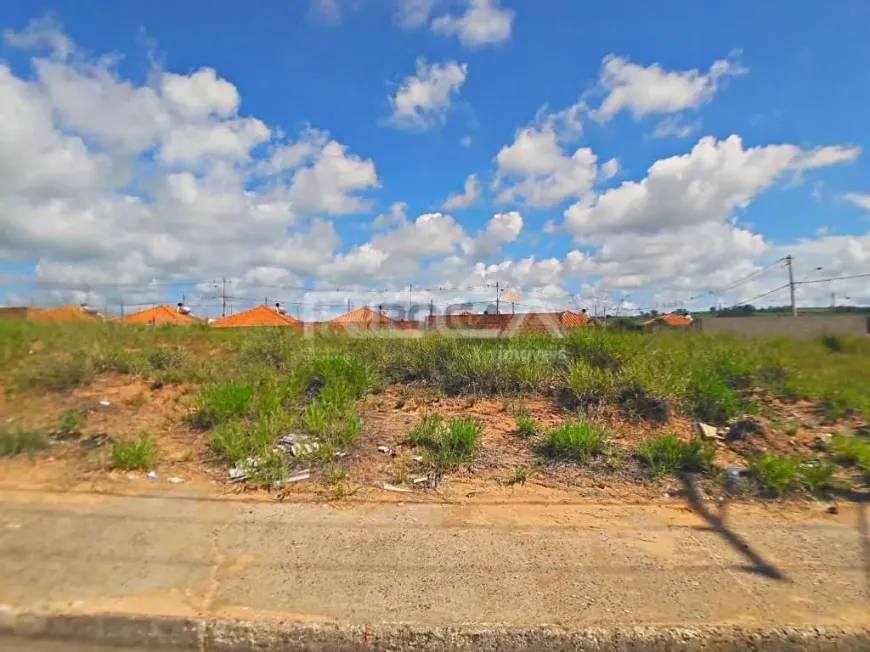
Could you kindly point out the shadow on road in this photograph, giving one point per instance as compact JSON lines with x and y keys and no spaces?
{"x":717,"y":523}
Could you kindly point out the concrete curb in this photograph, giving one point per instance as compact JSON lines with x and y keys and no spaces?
{"x":214,"y":635}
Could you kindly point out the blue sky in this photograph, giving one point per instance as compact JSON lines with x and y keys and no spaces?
{"x":641,"y":83}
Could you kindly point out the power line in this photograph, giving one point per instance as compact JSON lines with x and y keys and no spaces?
{"x":761,"y":296}
{"x":833,"y":278}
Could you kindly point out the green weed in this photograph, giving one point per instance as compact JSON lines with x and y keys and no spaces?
{"x":71,"y":422}
{"x":428,"y":431}
{"x":589,"y":384}
{"x":816,"y":476}
{"x":667,"y":453}
{"x":140,"y":453}
{"x":26,"y":441}
{"x":852,"y":450}
{"x":776,"y":474}
{"x":526,"y":426}
{"x":521,"y":476}
{"x":580,"y":440}
{"x":216,"y":404}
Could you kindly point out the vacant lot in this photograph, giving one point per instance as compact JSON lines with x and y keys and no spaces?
{"x":600,"y":414}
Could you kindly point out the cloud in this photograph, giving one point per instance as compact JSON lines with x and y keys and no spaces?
{"x":469,"y":196}
{"x":542,"y":174}
{"x":397,"y":214}
{"x":412,"y":14}
{"x":822,"y":157}
{"x":466,"y":141}
{"x":484,"y":23}
{"x":706,"y":185}
{"x":423,"y":99}
{"x":652,"y":89}
{"x":673,"y":126}
{"x":860,"y":200}
{"x":45,"y":32}
{"x":502,"y":229}
{"x":106,"y":180}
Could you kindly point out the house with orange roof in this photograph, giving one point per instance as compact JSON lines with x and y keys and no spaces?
{"x":363,"y":317}
{"x":74,"y":313}
{"x":671,"y":319}
{"x":554,"y":323}
{"x":161,"y":315}
{"x":259,"y":316}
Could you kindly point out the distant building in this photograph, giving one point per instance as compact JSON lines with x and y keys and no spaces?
{"x":266,"y":316}
{"x":161,"y":315}
{"x":670,"y":319}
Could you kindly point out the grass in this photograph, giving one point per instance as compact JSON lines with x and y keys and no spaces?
{"x":852,"y":451}
{"x":139,"y":453}
{"x":526,"y":426}
{"x":667,"y":453}
{"x":520,"y":476}
{"x":219,"y":403}
{"x":428,"y":431}
{"x":71,"y":422}
{"x":580,"y":440}
{"x":816,"y":476}
{"x":777,"y":475}
{"x":446,"y":445}
{"x":25,"y":441}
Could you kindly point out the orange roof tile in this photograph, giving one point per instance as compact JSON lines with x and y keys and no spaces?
{"x":69,"y":314}
{"x":259,"y":316}
{"x":158,"y":316}
{"x":670,"y":319}
{"x":362,"y":316}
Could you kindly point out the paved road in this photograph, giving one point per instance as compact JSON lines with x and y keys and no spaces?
{"x":521,"y":564}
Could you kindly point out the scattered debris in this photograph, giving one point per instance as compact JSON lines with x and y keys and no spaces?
{"x":132,"y":476}
{"x":106,"y":403}
{"x":744,"y":427}
{"x":831,"y":508}
{"x":424,"y":479}
{"x":341,"y":453}
{"x":299,"y":476}
{"x":399,"y":490}
{"x":708,"y":432}
{"x":175,"y":480}
{"x":95,"y":441}
{"x":238,"y":474}
{"x":820,"y":443}
{"x":297,"y":445}
{"x":384,"y":449}
{"x":153,"y":475}
{"x":417,"y":458}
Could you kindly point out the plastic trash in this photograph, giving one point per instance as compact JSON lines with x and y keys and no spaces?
{"x":153,"y":475}
{"x":398,"y":490}
{"x":175,"y":480}
{"x":106,"y":403}
{"x":383,"y":449}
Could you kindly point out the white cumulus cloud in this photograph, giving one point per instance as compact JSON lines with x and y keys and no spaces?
{"x":423,"y":99}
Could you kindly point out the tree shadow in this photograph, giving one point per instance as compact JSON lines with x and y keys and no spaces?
{"x":717,"y":523}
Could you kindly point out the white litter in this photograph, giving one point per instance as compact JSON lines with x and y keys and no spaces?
{"x":132,"y":476}
{"x":105,"y":403}
{"x":176,"y":480}
{"x":299,"y":476}
{"x":383,"y":449}
{"x":152,"y":475}
{"x":399,"y":490}
{"x":422,"y":480}
{"x":417,"y":458}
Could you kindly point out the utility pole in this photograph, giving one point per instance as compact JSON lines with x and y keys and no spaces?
{"x":833,"y":299}
{"x":409,"y":300}
{"x":223,"y":297}
{"x":496,"y":298}
{"x":788,"y":261}
{"x":122,"y":310}
{"x":348,"y":305}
